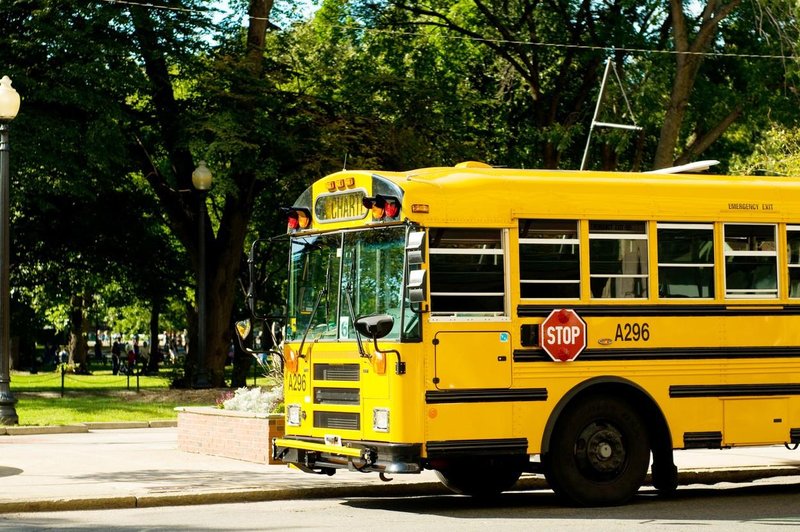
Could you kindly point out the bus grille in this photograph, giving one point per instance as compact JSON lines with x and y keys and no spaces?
{"x":337,"y":396}
{"x":337,"y":372}
{"x":337,"y":420}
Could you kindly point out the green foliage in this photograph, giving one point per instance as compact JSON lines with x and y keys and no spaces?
{"x":777,"y":153}
{"x":81,"y":224}
{"x":104,"y":145}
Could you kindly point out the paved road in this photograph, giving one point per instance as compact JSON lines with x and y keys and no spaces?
{"x":135,"y":468}
{"x":766,"y":505}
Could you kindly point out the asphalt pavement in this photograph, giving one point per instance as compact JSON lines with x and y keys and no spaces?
{"x":102,"y":466}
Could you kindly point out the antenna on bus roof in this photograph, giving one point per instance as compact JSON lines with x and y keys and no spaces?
{"x":609,"y":66}
{"x":344,"y":165}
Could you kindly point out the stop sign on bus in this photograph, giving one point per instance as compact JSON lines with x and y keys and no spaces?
{"x":562,"y":335}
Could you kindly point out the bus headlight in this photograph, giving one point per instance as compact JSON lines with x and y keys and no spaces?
{"x":293,"y":415}
{"x":380,"y":419}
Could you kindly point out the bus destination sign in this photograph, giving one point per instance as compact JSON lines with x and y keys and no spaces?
{"x":339,"y":207}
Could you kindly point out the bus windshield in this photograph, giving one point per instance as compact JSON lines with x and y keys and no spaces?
{"x":334,"y":272}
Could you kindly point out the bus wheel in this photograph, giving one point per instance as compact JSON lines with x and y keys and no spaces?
{"x":480,"y":480}
{"x":599,"y":453}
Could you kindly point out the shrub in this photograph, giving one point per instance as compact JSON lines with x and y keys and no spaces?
{"x":255,"y":400}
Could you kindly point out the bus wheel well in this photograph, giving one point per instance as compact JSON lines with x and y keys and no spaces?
{"x":664,"y":472}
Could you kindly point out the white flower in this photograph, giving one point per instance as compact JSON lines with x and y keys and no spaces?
{"x":255,"y":400}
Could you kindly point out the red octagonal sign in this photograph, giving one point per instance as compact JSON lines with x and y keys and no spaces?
{"x":563,"y":335}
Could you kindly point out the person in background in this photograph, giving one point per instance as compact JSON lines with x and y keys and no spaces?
{"x":98,"y":351}
{"x":116,"y":351}
{"x":131,"y":361}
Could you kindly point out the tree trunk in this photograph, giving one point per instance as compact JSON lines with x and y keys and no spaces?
{"x":190,"y":362}
{"x":79,"y":326}
{"x":153,"y":361}
{"x":242,"y":367}
{"x":688,"y":60}
{"x":223,"y":250}
{"x":223,"y":270}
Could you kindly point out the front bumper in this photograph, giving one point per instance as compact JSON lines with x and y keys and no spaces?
{"x":313,"y":455}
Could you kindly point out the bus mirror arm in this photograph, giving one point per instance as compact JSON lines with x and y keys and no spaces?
{"x":378,"y":326}
{"x":400,"y":367}
{"x":243,"y":329}
{"x":251,"y":293}
{"x":421,"y":309}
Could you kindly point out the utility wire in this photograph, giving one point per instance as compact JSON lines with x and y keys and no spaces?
{"x":148,"y":5}
{"x":609,"y":49}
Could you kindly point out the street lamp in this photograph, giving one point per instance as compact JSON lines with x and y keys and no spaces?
{"x":201,"y":179}
{"x":9,"y":106}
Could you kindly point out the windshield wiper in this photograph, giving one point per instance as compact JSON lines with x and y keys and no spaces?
{"x":322,"y":293}
{"x":348,"y":291}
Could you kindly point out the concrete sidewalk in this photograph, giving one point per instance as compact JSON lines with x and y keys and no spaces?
{"x":141,"y":467}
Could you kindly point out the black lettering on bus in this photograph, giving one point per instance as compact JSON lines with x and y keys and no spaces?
{"x":632,"y":332}
{"x":297,"y":382}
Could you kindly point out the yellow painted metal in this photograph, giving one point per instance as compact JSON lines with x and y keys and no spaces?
{"x":472,"y":359}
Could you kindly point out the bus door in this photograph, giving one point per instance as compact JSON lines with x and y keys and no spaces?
{"x":472,"y":359}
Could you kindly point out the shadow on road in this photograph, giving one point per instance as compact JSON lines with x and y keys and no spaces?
{"x":774,"y":504}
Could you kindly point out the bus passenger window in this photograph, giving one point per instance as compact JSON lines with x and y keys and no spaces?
{"x":751,"y":261}
{"x":618,"y":260}
{"x":467,"y":272}
{"x":793,"y":258}
{"x":549,"y":259}
{"x":685,"y":260}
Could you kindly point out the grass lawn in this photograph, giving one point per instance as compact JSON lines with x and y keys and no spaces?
{"x":99,"y":397}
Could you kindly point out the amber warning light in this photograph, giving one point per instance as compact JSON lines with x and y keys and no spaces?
{"x":383,"y":208}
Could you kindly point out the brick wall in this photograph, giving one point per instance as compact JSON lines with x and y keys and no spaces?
{"x":231,"y":434}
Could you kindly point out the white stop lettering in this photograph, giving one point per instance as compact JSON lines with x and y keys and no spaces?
{"x":562,"y":334}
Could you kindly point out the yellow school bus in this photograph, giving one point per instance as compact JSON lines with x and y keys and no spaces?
{"x":483,"y":322}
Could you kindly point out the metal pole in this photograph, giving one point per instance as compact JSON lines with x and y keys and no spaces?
{"x":201,"y":378}
{"x":8,"y":411}
{"x":594,"y":116}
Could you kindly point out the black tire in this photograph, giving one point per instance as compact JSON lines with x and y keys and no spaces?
{"x":482,"y":479}
{"x":599,"y":452}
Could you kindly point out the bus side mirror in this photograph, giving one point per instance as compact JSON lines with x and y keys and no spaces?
{"x":416,"y":286}
{"x":244,"y":332}
{"x":375,"y":327}
{"x":415,"y":248}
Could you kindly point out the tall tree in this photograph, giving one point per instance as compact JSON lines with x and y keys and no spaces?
{"x":555,"y":48}
{"x":242,"y":124}
{"x":688,"y":59}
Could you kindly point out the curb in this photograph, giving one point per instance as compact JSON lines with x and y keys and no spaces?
{"x":689,"y":477}
{"x":65,"y":505}
{"x":45,"y":429}
{"x":222,"y":497}
{"x":24,"y":430}
{"x":736,"y":475}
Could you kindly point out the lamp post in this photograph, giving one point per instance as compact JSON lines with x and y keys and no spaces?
{"x":9,"y":106}
{"x":201,"y":179}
